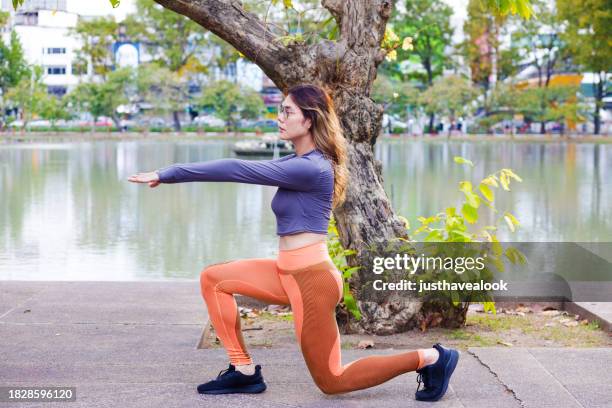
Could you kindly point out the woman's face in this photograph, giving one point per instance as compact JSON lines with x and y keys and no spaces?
{"x":291,"y":121}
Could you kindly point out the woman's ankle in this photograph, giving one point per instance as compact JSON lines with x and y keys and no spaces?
{"x":246,"y":369}
{"x":430,"y":356}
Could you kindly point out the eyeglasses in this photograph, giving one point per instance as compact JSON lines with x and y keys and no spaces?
{"x":283,"y":112}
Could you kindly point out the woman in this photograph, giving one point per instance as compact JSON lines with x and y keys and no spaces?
{"x":310,"y":182}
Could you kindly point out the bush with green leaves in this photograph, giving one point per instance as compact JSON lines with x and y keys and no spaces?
{"x":450,"y":234}
{"x":338,"y":254}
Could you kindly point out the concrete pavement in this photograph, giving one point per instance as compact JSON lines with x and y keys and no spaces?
{"x":133,"y":344}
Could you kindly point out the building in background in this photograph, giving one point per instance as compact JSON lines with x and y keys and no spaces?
{"x":43,"y":28}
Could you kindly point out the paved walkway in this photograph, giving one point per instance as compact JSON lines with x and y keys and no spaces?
{"x":132,"y":344}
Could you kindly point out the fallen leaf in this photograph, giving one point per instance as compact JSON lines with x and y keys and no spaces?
{"x":584,"y":321}
{"x":551,"y":313}
{"x":523,"y":309}
{"x":505,"y":343}
{"x":365,"y":344}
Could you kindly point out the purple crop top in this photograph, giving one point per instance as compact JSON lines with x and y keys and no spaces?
{"x":305,"y":185}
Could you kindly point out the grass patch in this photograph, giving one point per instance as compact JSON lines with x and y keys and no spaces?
{"x":276,"y":317}
{"x":500,"y":322}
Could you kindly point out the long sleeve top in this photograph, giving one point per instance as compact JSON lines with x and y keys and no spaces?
{"x":305,"y":184}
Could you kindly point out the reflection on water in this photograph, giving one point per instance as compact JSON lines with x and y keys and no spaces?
{"x":67,"y":213}
{"x":566,"y":193}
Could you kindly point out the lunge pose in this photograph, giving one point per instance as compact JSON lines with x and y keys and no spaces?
{"x":310,"y":183}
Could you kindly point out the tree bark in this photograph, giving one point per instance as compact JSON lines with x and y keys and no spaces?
{"x":176,"y":122}
{"x":346,"y":68}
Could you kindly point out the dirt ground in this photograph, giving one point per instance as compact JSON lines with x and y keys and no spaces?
{"x":520,"y":326}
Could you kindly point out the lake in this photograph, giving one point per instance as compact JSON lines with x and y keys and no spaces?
{"x":68,"y":213}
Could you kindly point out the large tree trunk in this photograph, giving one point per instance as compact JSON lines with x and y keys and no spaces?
{"x":347,"y":68}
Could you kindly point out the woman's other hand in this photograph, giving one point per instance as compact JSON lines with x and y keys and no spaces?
{"x":151,"y":178}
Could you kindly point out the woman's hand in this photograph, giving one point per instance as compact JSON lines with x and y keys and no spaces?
{"x":152,"y":178}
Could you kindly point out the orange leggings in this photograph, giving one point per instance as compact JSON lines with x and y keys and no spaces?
{"x":307,"y":279}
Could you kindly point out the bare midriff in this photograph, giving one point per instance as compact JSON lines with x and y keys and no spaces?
{"x":299,"y":240}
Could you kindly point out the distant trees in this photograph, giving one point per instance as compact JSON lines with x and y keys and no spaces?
{"x":587,"y":33}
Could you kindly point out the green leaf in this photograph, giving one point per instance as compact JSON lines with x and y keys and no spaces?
{"x":512,"y":218}
{"x":496,"y":247}
{"x":462,"y":234}
{"x":465,"y":186}
{"x":351,"y":305}
{"x":490,"y":181}
{"x":504,"y":181}
{"x":288,"y":4}
{"x":486,"y":192}
{"x":461,"y":160}
{"x":469,"y":213}
{"x":510,"y":173}
{"x":434,"y":236}
{"x":509,"y":222}
{"x":472,"y":199}
{"x":455,"y":298}
{"x":489,"y":307}
{"x":421,"y":229}
{"x":510,"y":255}
{"x":115,"y":3}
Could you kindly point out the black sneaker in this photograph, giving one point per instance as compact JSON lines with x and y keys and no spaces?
{"x":230,"y":381}
{"x":436,"y":376}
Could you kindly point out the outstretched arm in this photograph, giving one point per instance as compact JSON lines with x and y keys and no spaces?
{"x":294,"y":173}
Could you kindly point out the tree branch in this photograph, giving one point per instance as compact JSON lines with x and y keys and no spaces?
{"x":336,"y":8}
{"x":243,"y":30}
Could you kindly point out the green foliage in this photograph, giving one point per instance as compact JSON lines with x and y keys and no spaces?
{"x":427,"y":23}
{"x":394,"y":95}
{"x":553,"y":103}
{"x":13,"y":66}
{"x":175,"y":39}
{"x":503,"y":7}
{"x":97,"y":37}
{"x":165,"y":90}
{"x":539,"y":104}
{"x":28,"y":95}
{"x":230,"y":102}
{"x":452,"y":226}
{"x":338,"y":254}
{"x":587,"y":34}
{"x":53,"y":109}
{"x":4,"y":16}
{"x":451,"y":95}
{"x":102,"y":99}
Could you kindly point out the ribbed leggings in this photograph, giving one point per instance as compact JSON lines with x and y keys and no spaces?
{"x":307,"y":279}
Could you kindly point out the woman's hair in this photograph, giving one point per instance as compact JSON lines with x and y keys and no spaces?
{"x":316,"y":105}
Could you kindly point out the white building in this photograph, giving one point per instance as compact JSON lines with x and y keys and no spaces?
{"x":43,"y":28}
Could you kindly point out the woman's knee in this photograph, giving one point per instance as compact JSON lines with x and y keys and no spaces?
{"x":211,"y":274}
{"x":328,"y":387}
